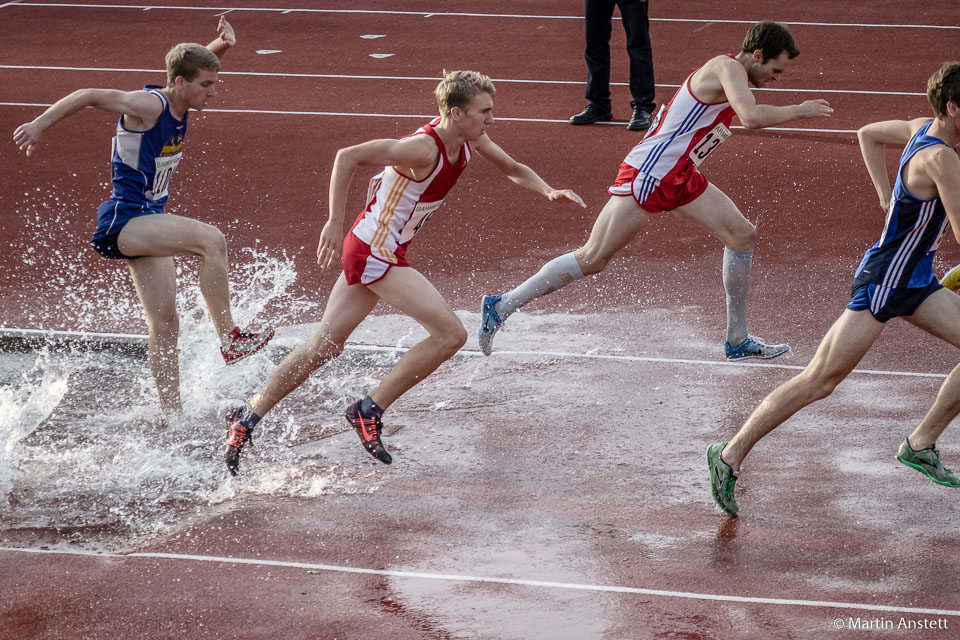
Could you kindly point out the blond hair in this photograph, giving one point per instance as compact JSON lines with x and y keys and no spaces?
{"x":187,"y":59}
{"x":944,"y":86}
{"x":458,"y":88}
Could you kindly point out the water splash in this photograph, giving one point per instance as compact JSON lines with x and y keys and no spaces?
{"x":86,"y":458}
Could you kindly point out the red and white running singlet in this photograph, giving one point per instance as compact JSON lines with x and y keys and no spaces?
{"x":683,"y":134}
{"x":397,"y":207}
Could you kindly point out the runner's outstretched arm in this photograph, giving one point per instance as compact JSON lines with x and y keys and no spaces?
{"x":521,"y":174}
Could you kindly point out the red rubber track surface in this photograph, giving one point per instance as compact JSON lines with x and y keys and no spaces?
{"x":611,"y":489}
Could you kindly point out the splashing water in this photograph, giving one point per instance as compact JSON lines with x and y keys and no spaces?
{"x":86,"y":458}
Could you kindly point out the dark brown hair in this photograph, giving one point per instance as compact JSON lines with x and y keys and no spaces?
{"x":944,"y":86}
{"x":772,"y":38}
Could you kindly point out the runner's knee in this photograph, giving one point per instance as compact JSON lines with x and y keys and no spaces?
{"x":590,"y":260}
{"x":454,"y":339}
{"x":744,"y":239}
{"x":214,"y":244}
{"x":450,"y":338}
{"x":821,"y":385}
{"x":164,"y":320}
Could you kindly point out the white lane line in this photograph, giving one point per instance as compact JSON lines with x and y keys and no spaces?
{"x":342,"y":76}
{"x":463,"y":14}
{"x":508,"y":581}
{"x":428,"y":116}
{"x":11,"y":334}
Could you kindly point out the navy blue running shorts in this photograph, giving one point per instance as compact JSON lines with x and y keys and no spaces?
{"x":112,"y":216}
{"x":886,"y":303}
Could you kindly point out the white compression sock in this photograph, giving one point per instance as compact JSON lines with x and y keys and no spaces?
{"x":736,"y":283}
{"x":554,"y":275}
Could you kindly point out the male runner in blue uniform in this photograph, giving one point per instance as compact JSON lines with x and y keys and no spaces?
{"x":132,"y":225}
{"x":895,"y":278}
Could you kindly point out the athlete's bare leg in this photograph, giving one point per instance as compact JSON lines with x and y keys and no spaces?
{"x":169,"y":235}
{"x":346,"y":308}
{"x":407,"y":290}
{"x":156,"y":282}
{"x":939,"y":315}
{"x":716,"y":213}
{"x":620,"y":220}
{"x":845,"y":344}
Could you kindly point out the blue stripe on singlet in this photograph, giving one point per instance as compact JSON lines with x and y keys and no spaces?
{"x":688,"y":123}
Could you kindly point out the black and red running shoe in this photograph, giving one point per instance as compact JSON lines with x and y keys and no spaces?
{"x":243,"y":344}
{"x":237,"y":436}
{"x":369,"y":431}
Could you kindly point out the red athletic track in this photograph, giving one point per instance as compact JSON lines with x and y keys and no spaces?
{"x":600,"y":496}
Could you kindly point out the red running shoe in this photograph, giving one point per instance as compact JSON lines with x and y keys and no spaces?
{"x":237,"y":436}
{"x":369,"y":431}
{"x":244,"y":344}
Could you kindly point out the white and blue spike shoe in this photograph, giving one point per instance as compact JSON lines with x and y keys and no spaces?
{"x":490,"y":323}
{"x":754,"y":347}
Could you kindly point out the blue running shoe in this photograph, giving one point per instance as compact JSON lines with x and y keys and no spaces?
{"x":754,"y":347}
{"x":490,"y":323}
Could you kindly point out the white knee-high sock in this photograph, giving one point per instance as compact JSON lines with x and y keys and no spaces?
{"x":554,"y":275}
{"x":736,"y":283}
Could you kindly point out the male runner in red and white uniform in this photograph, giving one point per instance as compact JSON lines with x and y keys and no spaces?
{"x":661,"y":174}
{"x":420,"y":170}
{"x":397,"y":207}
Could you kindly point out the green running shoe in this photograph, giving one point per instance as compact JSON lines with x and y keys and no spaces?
{"x":722,"y":479}
{"x":927,"y":462}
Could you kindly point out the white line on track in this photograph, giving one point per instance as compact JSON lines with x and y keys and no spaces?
{"x":341,"y":76}
{"x":427,"y":116}
{"x":9,"y":334}
{"x":509,"y":581}
{"x":461,"y":14}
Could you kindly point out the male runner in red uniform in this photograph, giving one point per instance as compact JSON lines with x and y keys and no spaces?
{"x":419,"y":171}
{"x":661,"y":174}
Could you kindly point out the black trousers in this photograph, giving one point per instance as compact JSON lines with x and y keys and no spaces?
{"x":598,"y":18}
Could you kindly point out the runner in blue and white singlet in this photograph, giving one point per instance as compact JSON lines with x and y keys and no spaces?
{"x":903,"y":256}
{"x":144,"y":161}
{"x":894,"y":279}
{"x":142,"y":165}
{"x":133,"y":226}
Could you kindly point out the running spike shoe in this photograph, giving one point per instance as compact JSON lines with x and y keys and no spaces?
{"x":927,"y":462}
{"x":722,"y":480}
{"x":237,"y":437}
{"x":490,"y":323}
{"x":369,"y":431}
{"x":754,"y":347}
{"x":243,"y":344}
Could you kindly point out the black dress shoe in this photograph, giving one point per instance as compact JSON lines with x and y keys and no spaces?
{"x":640,"y":120}
{"x":592,"y":113}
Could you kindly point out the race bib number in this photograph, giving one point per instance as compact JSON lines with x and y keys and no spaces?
{"x":166,"y":165}
{"x":421,"y":214}
{"x":709,"y":142}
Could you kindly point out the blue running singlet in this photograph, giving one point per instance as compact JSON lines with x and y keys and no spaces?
{"x":903,"y":256}
{"x":142,"y":164}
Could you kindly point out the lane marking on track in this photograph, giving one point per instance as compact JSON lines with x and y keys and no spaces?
{"x":509,"y":581}
{"x":462,"y":14}
{"x":421,"y":116}
{"x":10,"y":335}
{"x":342,"y":76}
